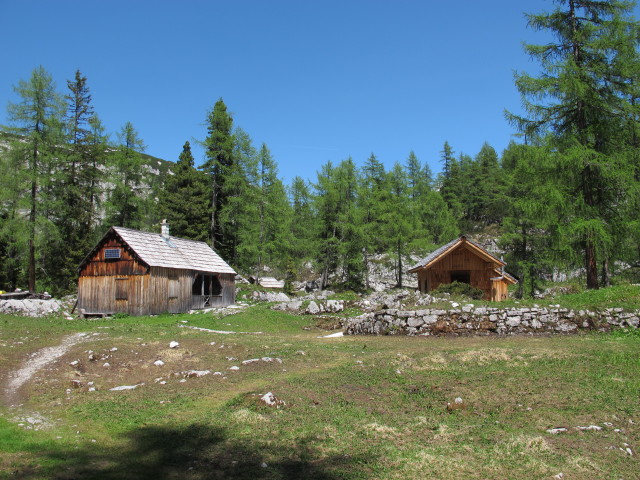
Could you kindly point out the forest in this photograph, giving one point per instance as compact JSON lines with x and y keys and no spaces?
{"x":564,"y":198}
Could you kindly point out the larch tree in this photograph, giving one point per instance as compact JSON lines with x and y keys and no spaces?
{"x":125,"y":199}
{"x":37,"y":118}
{"x":582,"y":98}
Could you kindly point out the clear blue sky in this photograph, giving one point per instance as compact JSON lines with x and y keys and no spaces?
{"x":314,"y":80}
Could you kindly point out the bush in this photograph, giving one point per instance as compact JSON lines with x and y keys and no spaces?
{"x":457,"y":288}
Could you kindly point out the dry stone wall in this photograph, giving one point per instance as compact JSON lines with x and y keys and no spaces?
{"x":470,"y":320}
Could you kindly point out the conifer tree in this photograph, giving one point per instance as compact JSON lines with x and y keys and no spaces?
{"x":371,"y":198}
{"x":582,"y":99}
{"x":219,"y":166}
{"x":184,"y":200}
{"x":37,"y":117}
{"x":126,"y":199}
{"x":73,"y":186}
{"x":273,"y":213}
{"x":397,"y":217}
{"x":303,"y":224}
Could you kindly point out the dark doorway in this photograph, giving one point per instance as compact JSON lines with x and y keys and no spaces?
{"x":461,"y":276}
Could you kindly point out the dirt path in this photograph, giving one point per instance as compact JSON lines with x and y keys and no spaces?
{"x":40,"y":359}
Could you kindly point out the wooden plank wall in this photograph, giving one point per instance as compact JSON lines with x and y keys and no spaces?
{"x":147,"y":294}
{"x":464,"y":260}
{"x":128,"y":264}
{"x":228,"y":297}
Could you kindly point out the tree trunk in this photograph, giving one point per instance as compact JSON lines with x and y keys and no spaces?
{"x":591,"y":265}
{"x":366,"y":268}
{"x":32,"y":219}
{"x":604,"y":277}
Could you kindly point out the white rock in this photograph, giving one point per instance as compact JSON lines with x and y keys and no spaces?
{"x":114,"y":349}
{"x":173,"y":344}
{"x":590,"y":427}
{"x":234,"y":368}
{"x":125,"y":387}
{"x":197,"y":373}
{"x":158,"y":363}
{"x":270,"y":399}
{"x":555,"y":431}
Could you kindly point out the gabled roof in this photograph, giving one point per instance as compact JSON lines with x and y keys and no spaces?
{"x":173,"y":252}
{"x":434,"y":256}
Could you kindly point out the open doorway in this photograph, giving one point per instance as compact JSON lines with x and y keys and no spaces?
{"x":461,"y":276}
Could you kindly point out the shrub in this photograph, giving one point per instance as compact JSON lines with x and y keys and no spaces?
{"x":457,"y":288}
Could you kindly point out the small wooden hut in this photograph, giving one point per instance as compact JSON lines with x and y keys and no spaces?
{"x":143,"y":273}
{"x":463,"y":261}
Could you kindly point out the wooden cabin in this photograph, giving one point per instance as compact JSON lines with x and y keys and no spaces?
{"x":143,"y":273}
{"x":463,"y":261}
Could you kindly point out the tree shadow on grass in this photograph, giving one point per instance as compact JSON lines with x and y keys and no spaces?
{"x":193,"y":453}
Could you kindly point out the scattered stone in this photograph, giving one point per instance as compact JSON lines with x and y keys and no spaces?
{"x":158,"y":363}
{"x":125,"y":387}
{"x":458,"y":404}
{"x":555,"y":431}
{"x":197,"y":373}
{"x":74,"y":363}
{"x":590,"y":427}
{"x":106,"y":364}
{"x":173,"y":344}
{"x":114,"y":349}
{"x":271,"y":400}
{"x":234,"y":368}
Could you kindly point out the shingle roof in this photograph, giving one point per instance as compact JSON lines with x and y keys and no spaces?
{"x":435,"y":254}
{"x":155,"y":251}
{"x":449,"y":246}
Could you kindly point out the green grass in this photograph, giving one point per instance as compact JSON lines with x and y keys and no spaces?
{"x":356,"y":407}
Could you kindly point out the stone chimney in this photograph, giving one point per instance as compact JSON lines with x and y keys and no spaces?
{"x":164,"y":229}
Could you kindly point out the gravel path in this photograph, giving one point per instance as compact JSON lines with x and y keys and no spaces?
{"x":39,"y":359}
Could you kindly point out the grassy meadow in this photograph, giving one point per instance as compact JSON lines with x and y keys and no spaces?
{"x":353,"y":407}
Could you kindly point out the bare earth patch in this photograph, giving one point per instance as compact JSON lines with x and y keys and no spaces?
{"x":39,"y":360}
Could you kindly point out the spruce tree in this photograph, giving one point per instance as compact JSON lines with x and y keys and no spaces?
{"x":219,"y":165}
{"x":184,"y":200}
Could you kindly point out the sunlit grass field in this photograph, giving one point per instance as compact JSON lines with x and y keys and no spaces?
{"x":353,"y":407}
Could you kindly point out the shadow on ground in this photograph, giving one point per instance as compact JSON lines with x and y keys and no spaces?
{"x":193,"y":453}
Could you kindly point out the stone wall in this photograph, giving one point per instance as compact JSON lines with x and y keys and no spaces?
{"x":470,"y":320}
